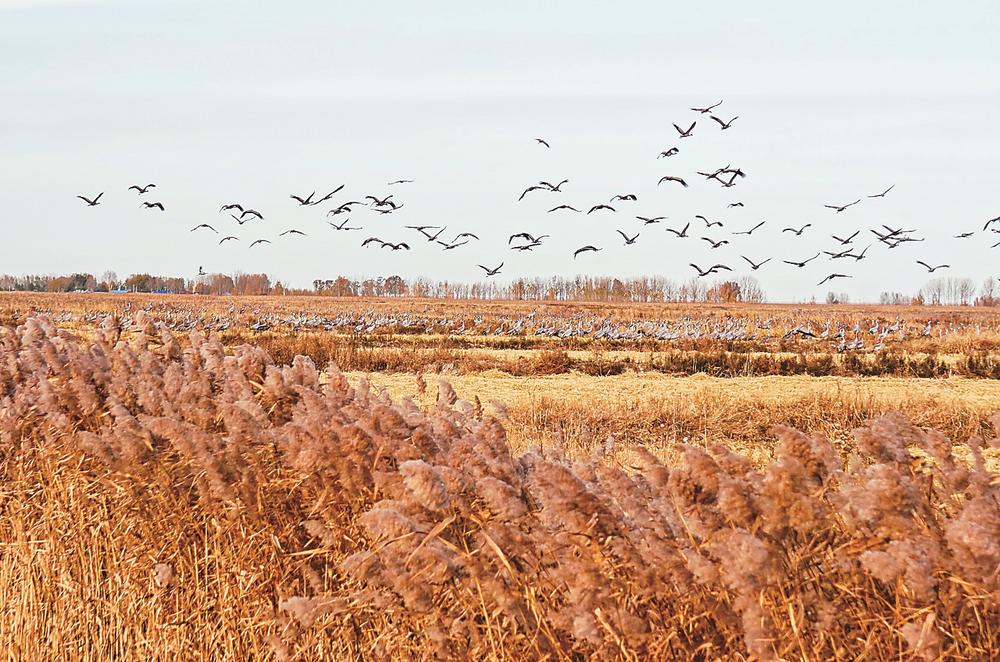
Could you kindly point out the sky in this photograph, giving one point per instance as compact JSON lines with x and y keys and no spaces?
{"x":249,"y":102}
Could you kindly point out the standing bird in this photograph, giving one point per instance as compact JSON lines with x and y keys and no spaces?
{"x":91,"y":203}
{"x":491,"y":272}
{"x":688,"y":133}
{"x":585,"y":249}
{"x":840,"y":208}
{"x":628,"y":240}
{"x":724,"y":125}
{"x":541,"y":142}
{"x":141,"y":189}
{"x":153,"y":205}
{"x":931,"y":269}
{"x":882,"y":194}
{"x":707,"y":109}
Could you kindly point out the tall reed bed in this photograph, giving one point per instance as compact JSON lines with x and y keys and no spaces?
{"x":162,"y":501}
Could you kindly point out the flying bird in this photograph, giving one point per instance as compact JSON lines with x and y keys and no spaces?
{"x":303,"y":201}
{"x":91,"y":203}
{"x":293,"y":231}
{"x":491,"y":272}
{"x":465,"y":234}
{"x":650,"y":220}
{"x":384,"y":202}
{"x":252,"y":212}
{"x":708,"y":223}
{"x":844,"y":242}
{"x":669,"y":152}
{"x":400,"y":181}
{"x":396,"y":247}
{"x":599,"y":207}
{"x":569,"y":207}
{"x":801,"y":264}
{"x":541,"y":142}
{"x":750,"y":231}
{"x":964,"y":235}
{"x":711,"y":270}
{"x":840,"y":208}
{"x":204,"y":225}
{"x":724,"y":125}
{"x":453,"y":245}
{"x":735,"y":204}
{"x":585,"y":249}
{"x":988,"y":223}
{"x":527,"y":237}
{"x":260,"y":241}
{"x":342,"y":225}
{"x":535,"y":187}
{"x":715,"y":244}
{"x":831,"y":277}
{"x":707,"y":109}
{"x":882,"y":194}
{"x":628,"y":240}
{"x":153,"y":205}
{"x":225,"y":239}
{"x":756,"y":265}
{"x":669,"y":178}
{"x":683,"y":233}
{"x":628,"y":197}
{"x":141,"y":189}
{"x":555,"y":188}
{"x":931,"y":269}
{"x":686,"y":133}
{"x":798,"y":232}
{"x":234,"y":205}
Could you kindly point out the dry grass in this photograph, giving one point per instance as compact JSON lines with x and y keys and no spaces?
{"x":168,"y":500}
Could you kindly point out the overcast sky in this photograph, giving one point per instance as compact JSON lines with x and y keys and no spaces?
{"x":221,"y":102}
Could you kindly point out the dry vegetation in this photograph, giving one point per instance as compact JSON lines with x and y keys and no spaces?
{"x":206,"y":495}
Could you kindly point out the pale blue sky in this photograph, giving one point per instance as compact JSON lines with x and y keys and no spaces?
{"x":247,"y":101}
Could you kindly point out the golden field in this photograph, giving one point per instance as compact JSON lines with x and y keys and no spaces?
{"x":306,"y":478}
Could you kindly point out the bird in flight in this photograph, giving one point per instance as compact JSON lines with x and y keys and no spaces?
{"x":798,"y":232}
{"x":91,"y":203}
{"x":527,"y":237}
{"x":260,"y":241}
{"x":433,"y":237}
{"x":715,"y":244}
{"x":803,"y":263}
{"x":686,"y":133}
{"x":841,"y":254}
{"x":342,"y":225}
{"x":628,"y":240}
{"x":204,"y":225}
{"x":669,"y":178}
{"x":585,"y":249}
{"x":860,"y":257}
{"x":534,"y":187}
{"x":238,"y":219}
{"x":555,"y":188}
{"x":153,"y":205}
{"x":750,"y":231}
{"x":491,"y":272}
{"x":681,"y":234}
{"x":723,"y":124}
{"x":711,"y":270}
{"x":141,"y":189}
{"x":343,"y":208}
{"x":964,"y":235}
{"x":708,"y":223}
{"x":384,"y":202}
{"x":708,"y":109}
{"x":628,"y":197}
{"x":541,"y":142}
{"x":396,"y":247}
{"x":831,"y":277}
{"x":988,"y":223}
{"x":840,"y":208}
{"x":229,"y":238}
{"x":844,"y":242}
{"x":293,"y":231}
{"x":599,"y":207}
{"x":755,"y":265}
{"x":669,"y":152}
{"x":882,"y":194}
{"x":400,"y":181}
{"x":234,"y":205}
{"x":465,"y":234}
{"x":252,"y":212}
{"x":569,"y":207}
{"x":454,"y":244}
{"x":650,"y":220}
{"x":931,"y":269}
{"x":370,"y":240}
{"x":735,"y":204}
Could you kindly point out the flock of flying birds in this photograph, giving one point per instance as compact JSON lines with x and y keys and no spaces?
{"x":727,"y":177}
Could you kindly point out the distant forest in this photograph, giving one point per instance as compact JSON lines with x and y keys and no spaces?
{"x":649,"y":289}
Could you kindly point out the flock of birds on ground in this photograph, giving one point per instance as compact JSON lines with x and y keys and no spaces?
{"x":848,"y":333}
{"x":844,"y":249}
